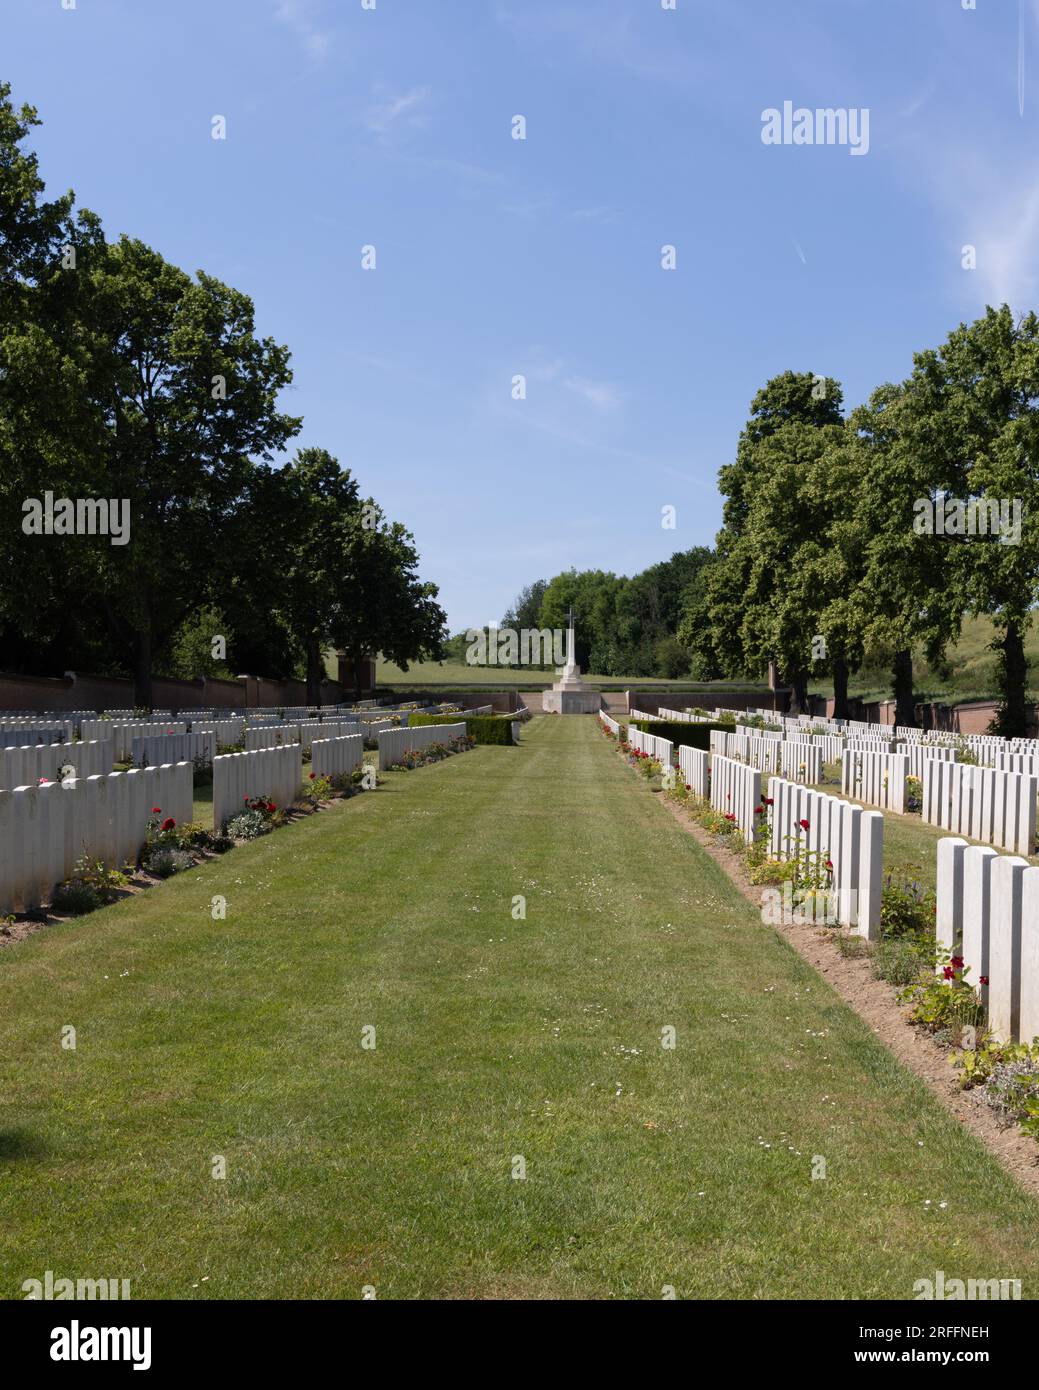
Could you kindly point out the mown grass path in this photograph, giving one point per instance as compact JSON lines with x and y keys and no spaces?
{"x":496,"y":1038}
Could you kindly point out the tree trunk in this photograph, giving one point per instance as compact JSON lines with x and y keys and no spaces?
{"x":905,"y":711}
{"x":798,"y":692}
{"x":840,"y":688}
{"x":1013,"y":680}
{"x":142,"y":669}
{"x":315,"y":670}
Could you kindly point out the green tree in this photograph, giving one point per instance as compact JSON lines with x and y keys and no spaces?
{"x":379,"y":603}
{"x":761,"y":601}
{"x":317,"y":504}
{"x":977,"y":434}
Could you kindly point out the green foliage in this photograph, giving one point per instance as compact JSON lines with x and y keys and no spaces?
{"x":248,"y":825}
{"x":679,"y":733}
{"x":899,"y":960}
{"x":75,"y":898}
{"x":483,"y":728}
{"x":123,"y":376}
{"x":907,"y":908}
{"x":191,"y":646}
{"x":164,"y":863}
{"x":316,"y":789}
{"x":943,"y":1000}
{"x":92,"y":885}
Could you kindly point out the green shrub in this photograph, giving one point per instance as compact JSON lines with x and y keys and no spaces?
{"x":248,"y":825}
{"x":75,"y":898}
{"x":92,"y":885}
{"x":906,"y":907}
{"x":945,"y":1001}
{"x":898,"y":960}
{"x":164,"y":863}
{"x":680,"y":734}
{"x":485,"y":728}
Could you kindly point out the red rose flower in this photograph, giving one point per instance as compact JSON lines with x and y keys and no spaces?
{"x":168,"y":824}
{"x":803,"y":824}
{"x":949,"y":973}
{"x":156,"y":810}
{"x":312,"y":776}
{"x":983,"y":979}
{"x":956,"y":962}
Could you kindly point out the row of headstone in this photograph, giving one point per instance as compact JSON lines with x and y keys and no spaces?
{"x":751,"y":731}
{"x":831,"y":746}
{"x":997,"y":808}
{"x":920,"y":753}
{"x":681,"y":716}
{"x":694,"y":766}
{"x":1018,"y":762}
{"x":879,"y":779}
{"x":610,"y":724}
{"x":872,"y":743}
{"x":54,"y":762}
{"x":736,"y":792}
{"x":660,"y":749}
{"x":302,"y":733}
{"x":226,"y":730}
{"x":334,"y":757}
{"x":123,"y":732}
{"x":35,"y":734}
{"x":988,"y":912}
{"x":46,"y":829}
{"x":802,"y":762}
{"x":272,"y":773}
{"x":394,"y":743}
{"x":153,"y":750}
{"x":820,"y":829}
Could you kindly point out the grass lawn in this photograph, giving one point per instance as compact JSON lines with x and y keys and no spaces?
{"x":496,"y":1038}
{"x":455,"y":674}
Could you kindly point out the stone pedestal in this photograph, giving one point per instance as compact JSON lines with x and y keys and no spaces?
{"x":570,"y":695}
{"x":583,"y":700}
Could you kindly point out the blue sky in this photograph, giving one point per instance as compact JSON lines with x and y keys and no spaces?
{"x":498,"y":257}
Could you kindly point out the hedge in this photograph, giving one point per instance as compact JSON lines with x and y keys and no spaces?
{"x":680,"y":733}
{"x":485,"y":728}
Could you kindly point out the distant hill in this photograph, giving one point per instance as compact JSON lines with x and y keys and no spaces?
{"x":971,"y":673}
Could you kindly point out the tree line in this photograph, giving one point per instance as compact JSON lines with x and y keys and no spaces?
{"x":845,"y":536}
{"x":124,"y":377}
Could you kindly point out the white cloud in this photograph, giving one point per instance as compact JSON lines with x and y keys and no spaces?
{"x":300,"y":17}
{"x":597,"y":393}
{"x":397,"y":113}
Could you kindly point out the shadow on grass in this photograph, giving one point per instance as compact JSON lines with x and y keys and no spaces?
{"x":19,"y":1146}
